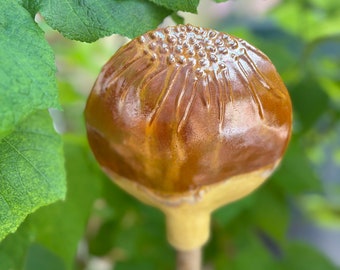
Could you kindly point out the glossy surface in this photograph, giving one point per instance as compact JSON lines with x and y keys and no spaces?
{"x":184,"y":107}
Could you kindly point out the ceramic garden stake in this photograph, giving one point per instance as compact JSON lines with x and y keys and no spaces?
{"x":188,"y":119}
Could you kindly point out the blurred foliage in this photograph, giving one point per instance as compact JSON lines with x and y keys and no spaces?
{"x":99,"y":221}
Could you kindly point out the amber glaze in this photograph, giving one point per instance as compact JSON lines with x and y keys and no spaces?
{"x":184,"y":107}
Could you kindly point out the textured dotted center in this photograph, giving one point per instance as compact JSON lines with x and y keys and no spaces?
{"x":186,"y":44}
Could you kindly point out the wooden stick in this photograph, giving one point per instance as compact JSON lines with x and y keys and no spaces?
{"x":189,"y":259}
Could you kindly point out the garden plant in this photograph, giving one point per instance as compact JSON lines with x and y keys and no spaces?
{"x":58,"y":210}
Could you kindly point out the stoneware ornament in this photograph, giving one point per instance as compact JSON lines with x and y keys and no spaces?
{"x":188,"y":119}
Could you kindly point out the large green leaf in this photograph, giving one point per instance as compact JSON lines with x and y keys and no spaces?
{"x":322,"y":56}
{"x":310,"y":101}
{"x":135,"y":230}
{"x":242,"y":251}
{"x":270,"y":213}
{"x":27,"y":68}
{"x":311,"y":25}
{"x":175,"y":5}
{"x":303,"y":256}
{"x":89,"y":20}
{"x":31,"y":170}
{"x":39,"y":257}
{"x":230,"y":212}
{"x":296,"y":175}
{"x":60,"y":226}
{"x":14,"y":248}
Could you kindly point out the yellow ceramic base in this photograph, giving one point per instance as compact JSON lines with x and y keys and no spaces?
{"x":188,"y":214}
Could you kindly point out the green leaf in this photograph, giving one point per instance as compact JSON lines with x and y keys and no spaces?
{"x":270,"y":213}
{"x":39,"y":257}
{"x":243,"y":251}
{"x":303,"y":256}
{"x":27,"y":69}
{"x":317,"y":20}
{"x":68,"y":95}
{"x":310,"y":101}
{"x":320,"y":210}
{"x":145,"y":239}
{"x":322,"y":56}
{"x":89,"y":20}
{"x":60,"y":226}
{"x":176,"y":5}
{"x":31,"y":6}
{"x":31,"y":170}
{"x":14,"y":248}
{"x":230,"y":212}
{"x":177,"y":18}
{"x":134,"y":232}
{"x":295,"y":174}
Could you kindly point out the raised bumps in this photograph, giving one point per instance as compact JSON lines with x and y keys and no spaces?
{"x":205,"y":50}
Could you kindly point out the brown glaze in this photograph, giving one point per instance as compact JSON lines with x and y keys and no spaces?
{"x":183,"y":107}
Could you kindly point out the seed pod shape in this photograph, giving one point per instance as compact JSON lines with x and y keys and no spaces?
{"x":184,"y":107}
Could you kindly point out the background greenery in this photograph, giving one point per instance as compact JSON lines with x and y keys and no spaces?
{"x":83,"y":221}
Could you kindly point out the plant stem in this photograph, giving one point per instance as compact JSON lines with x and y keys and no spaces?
{"x":189,"y":259}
